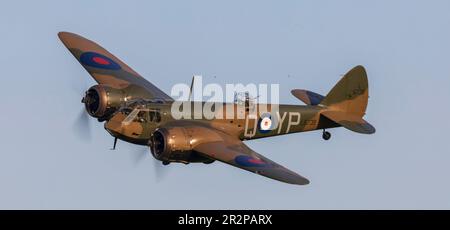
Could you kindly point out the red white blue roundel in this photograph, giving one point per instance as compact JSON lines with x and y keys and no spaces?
{"x":265,"y":123}
{"x":248,"y":161}
{"x":97,"y":60}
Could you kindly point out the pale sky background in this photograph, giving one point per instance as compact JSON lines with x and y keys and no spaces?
{"x":405,"y":46}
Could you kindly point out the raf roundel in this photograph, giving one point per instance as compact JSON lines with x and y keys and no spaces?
{"x":265,"y":123}
{"x":248,"y":161}
{"x":97,"y":60}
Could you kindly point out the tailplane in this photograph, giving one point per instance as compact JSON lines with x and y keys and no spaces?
{"x":308,"y":97}
{"x":349,"y":121}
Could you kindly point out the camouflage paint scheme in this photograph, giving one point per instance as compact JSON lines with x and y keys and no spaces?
{"x":121,"y":92}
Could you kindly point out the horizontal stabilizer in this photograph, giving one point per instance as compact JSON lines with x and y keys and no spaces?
{"x":350,"y":121}
{"x":308,"y":97}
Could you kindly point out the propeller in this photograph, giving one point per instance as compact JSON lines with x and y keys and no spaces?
{"x":160,"y":170}
{"x":190,"y":89}
{"x":139,"y":156}
{"x":81,"y":125}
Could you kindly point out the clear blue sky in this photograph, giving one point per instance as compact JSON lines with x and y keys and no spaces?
{"x":405,"y":46}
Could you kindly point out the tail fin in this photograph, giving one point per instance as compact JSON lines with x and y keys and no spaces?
{"x":347,"y":101}
{"x":350,"y":94}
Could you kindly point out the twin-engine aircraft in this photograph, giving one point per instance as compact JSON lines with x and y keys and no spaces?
{"x":136,"y":111}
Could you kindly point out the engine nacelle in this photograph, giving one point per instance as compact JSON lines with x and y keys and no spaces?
{"x":176,"y":144}
{"x":101,"y":101}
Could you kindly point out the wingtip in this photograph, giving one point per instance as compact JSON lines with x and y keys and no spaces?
{"x":297,"y":180}
{"x":64,"y":35}
{"x":303,"y":181}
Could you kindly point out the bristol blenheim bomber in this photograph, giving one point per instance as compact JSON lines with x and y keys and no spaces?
{"x":136,"y":111}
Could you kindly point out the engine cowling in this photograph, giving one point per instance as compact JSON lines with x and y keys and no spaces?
{"x":101,"y":101}
{"x":176,"y":144}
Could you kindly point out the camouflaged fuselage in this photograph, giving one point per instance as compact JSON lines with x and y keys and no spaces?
{"x":291,"y":119}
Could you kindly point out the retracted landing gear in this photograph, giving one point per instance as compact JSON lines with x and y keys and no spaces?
{"x":166,"y":162}
{"x":326,"y":135}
